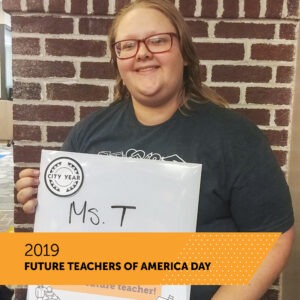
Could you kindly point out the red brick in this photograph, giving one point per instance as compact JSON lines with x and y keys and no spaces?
{"x":198,"y":28}
{"x":94,"y":26}
{"x":231,"y":94}
{"x":79,"y":7}
{"x":56,"y":6}
{"x":244,"y":30}
{"x":203,"y":73}
{"x":27,"y":90}
{"x":277,"y":137}
{"x":11,"y":6}
{"x":258,"y":116}
{"x":35,"y":6}
{"x":231,"y":8}
{"x":41,"y":113}
{"x":22,"y":229}
{"x":209,"y":8}
{"x":285,"y":74}
{"x":187,"y":8}
{"x":76,"y":92}
{"x":20,"y":294}
{"x":27,"y":132}
{"x":45,"y":24}
{"x":97,"y":70}
{"x":26,"y":154}
{"x":17,"y":171}
{"x":220,"y":51}
{"x":227,"y":73}
{"x":86,"y":110}
{"x":252,"y":8}
{"x":121,"y":3}
{"x":282,"y":117}
{"x":21,"y":217}
{"x":274,"y":8}
{"x":61,"y":47}
{"x":281,"y":157}
{"x":293,"y":8}
{"x":272,"y":52}
{"x":100,"y":7}
{"x":26,"y":46}
{"x":287,"y":31}
{"x":263,"y":95}
{"x":57,"y":133}
{"x":34,"y":68}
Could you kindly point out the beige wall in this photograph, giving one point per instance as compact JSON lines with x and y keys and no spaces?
{"x":6,"y":20}
{"x":291,"y":277}
{"x":6,"y":123}
{"x":4,"y":17}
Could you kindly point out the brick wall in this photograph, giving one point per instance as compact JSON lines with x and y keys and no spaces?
{"x":62,"y":72}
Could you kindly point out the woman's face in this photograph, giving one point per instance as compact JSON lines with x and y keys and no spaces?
{"x":153,"y":80}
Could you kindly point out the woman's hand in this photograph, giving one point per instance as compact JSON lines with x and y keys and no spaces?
{"x":26,"y":187}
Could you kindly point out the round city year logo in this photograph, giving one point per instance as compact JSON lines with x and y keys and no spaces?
{"x":64,"y":176}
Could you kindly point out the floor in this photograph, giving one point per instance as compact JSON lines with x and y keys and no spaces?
{"x":6,"y":187}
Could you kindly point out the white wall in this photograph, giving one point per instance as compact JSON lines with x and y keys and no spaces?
{"x":5,"y":55}
{"x":4,"y":17}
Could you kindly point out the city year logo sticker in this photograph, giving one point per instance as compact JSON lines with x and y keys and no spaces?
{"x":64,"y":176}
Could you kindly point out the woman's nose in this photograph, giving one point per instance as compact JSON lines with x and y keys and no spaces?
{"x":143,"y":51}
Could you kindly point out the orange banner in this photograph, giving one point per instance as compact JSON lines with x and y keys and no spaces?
{"x":132,"y":258}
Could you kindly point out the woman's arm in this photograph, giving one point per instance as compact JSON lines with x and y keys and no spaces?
{"x":265,"y":275}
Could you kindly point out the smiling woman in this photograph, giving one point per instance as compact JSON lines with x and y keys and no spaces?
{"x":163,"y":108}
{"x":190,"y":86}
{"x":153,"y":79}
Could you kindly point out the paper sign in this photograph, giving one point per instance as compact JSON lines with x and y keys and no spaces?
{"x":118,"y":292}
{"x":95,"y":193}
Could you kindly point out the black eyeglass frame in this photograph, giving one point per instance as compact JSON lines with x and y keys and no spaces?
{"x":171,"y":34}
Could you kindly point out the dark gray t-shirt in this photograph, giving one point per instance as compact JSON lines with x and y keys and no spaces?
{"x":242,"y":186}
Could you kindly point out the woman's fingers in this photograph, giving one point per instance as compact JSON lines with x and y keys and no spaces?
{"x":26,"y":182}
{"x":26,"y":194}
{"x":26,"y":188}
{"x":30,"y":206}
{"x":29,"y":173}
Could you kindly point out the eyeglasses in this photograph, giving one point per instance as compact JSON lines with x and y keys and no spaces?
{"x":156,"y":43}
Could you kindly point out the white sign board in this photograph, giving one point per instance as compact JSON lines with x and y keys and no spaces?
{"x":95,"y":193}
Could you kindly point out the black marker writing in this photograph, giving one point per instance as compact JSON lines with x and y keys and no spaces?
{"x":94,"y":218}
{"x":93,"y":213}
{"x":124,"y":211}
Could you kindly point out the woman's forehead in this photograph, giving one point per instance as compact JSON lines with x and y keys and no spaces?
{"x":140,"y":22}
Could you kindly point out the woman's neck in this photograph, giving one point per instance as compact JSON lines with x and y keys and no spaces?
{"x":154,"y":115}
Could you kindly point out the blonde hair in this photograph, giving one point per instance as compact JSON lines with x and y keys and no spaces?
{"x":193,"y":89}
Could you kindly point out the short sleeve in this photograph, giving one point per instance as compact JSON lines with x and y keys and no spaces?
{"x":70,"y":144}
{"x":260,"y":197}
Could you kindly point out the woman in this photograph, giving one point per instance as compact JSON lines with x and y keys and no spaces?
{"x":163,"y":111}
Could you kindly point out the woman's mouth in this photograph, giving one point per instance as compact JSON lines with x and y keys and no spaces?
{"x":146,"y":69}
